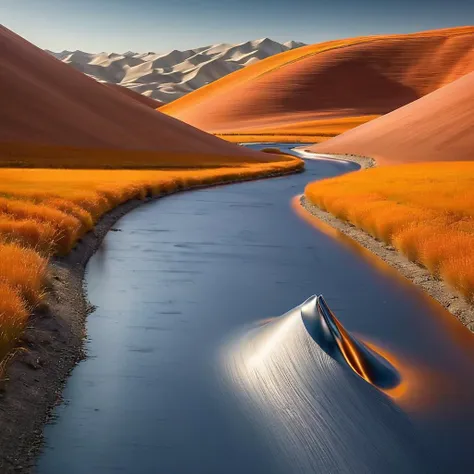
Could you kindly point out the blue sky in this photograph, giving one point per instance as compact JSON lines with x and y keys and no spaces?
{"x":161,"y":25}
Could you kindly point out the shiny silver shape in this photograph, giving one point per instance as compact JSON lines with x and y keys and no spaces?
{"x":336,"y":341}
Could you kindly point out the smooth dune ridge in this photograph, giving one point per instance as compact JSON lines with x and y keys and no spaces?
{"x":46,"y":103}
{"x":349,"y":79}
{"x":437,"y":127}
{"x":168,"y":76}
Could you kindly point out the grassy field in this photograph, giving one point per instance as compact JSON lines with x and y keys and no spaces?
{"x":44,"y":212}
{"x":426,"y":211}
{"x":309,"y":131}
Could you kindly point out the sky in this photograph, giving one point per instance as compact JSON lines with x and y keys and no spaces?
{"x":163,"y":25}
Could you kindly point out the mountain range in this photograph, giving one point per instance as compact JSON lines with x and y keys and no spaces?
{"x":168,"y":76}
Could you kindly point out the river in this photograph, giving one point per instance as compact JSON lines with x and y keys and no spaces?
{"x":184,"y":376}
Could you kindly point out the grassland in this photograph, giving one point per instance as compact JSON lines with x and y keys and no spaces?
{"x":426,"y":211}
{"x":308,"y":131}
{"x":44,"y":212}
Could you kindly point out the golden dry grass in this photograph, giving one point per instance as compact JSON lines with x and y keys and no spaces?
{"x":46,"y":211}
{"x":308,"y":131}
{"x":426,"y":211}
{"x":328,"y":127}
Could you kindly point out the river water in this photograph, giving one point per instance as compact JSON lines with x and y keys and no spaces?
{"x":190,"y":370}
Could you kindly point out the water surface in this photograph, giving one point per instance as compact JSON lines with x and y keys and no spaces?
{"x":173,"y":383}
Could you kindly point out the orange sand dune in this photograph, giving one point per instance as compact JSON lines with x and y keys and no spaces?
{"x":45,"y":102}
{"x":153,"y":103}
{"x":437,"y":127}
{"x":353,"y":78}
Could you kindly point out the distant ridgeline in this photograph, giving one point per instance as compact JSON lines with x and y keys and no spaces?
{"x":168,"y":76}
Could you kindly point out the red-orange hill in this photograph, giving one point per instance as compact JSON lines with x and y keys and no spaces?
{"x":143,"y":99}
{"x":300,"y":90}
{"x":50,"y":113}
{"x":437,"y":127}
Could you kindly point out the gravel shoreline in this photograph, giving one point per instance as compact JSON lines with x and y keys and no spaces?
{"x":363,"y":161}
{"x":53,"y":344}
{"x":413,"y":272}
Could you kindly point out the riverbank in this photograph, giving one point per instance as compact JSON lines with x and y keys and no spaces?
{"x":363,"y":161}
{"x":448,"y":297}
{"x":53,"y":344}
{"x":420,"y":276}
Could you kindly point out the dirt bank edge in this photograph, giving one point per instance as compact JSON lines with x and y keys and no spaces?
{"x":418,"y":275}
{"x":53,"y":344}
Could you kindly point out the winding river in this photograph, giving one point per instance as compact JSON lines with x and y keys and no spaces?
{"x":191,"y":369}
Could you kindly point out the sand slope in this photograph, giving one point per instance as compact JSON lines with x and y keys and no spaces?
{"x":166,"y":77}
{"x":365,"y":76}
{"x":46,"y":102}
{"x":437,"y":127}
{"x":143,"y":99}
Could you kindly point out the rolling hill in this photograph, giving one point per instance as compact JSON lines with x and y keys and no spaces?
{"x":52,"y":113}
{"x":168,"y":76}
{"x":316,"y":92}
{"x":437,"y":127}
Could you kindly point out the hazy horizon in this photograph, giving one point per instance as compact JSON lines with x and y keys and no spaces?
{"x":157,"y":25}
